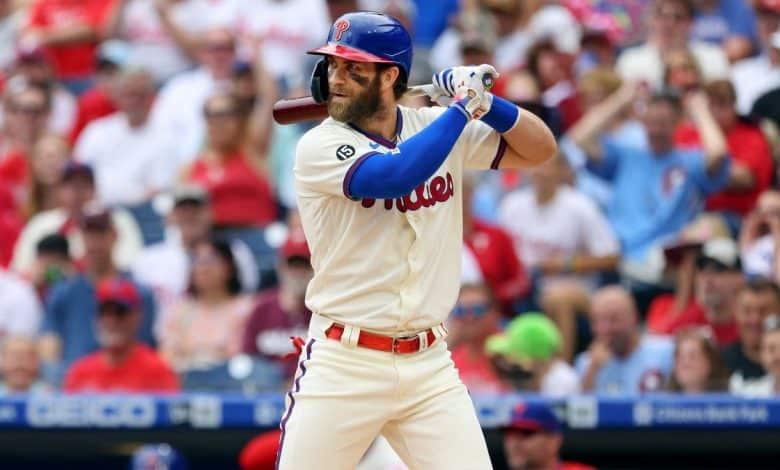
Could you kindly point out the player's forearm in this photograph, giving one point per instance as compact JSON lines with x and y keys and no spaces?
{"x":529,"y":140}
{"x":396,"y":174}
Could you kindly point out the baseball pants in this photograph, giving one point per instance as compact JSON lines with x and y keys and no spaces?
{"x":343,"y":396}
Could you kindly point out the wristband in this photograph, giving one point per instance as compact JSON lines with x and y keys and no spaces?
{"x":502,"y":116}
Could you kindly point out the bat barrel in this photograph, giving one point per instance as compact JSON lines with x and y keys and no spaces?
{"x":290,"y":111}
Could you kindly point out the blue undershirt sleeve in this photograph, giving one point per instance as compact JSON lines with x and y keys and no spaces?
{"x":388,"y":175}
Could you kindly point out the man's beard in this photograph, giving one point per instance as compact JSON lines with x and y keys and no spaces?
{"x":364,"y":105}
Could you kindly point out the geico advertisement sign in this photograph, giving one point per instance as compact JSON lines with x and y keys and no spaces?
{"x":92,"y":411}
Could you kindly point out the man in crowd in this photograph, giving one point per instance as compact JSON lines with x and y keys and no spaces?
{"x":658,"y":187}
{"x":71,"y":307}
{"x":756,"y":301}
{"x":533,"y":439}
{"x":620,"y":360}
{"x":123,"y":364}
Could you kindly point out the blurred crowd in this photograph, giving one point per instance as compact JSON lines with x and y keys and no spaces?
{"x":149,"y":239}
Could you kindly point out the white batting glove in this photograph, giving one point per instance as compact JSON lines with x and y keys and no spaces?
{"x":454,"y":80}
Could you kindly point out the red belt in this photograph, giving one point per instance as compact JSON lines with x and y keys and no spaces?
{"x":383,"y":343}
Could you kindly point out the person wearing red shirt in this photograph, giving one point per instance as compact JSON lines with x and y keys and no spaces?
{"x":751,"y":160}
{"x":240,"y":195}
{"x":122,"y":364}
{"x":533,"y":439}
{"x":474,"y":319}
{"x":70,"y":30}
{"x":709,"y":278}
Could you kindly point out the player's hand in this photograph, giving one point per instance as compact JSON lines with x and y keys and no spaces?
{"x":459,"y":80}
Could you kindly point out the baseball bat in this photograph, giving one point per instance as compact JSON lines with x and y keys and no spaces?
{"x":292,"y":110}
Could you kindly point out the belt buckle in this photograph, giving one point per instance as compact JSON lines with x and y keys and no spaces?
{"x":398,"y":340}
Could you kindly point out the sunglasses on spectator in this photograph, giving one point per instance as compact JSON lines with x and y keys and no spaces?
{"x":477,"y":310}
{"x":113,"y":308}
{"x":27,"y":110}
{"x":220,"y":113}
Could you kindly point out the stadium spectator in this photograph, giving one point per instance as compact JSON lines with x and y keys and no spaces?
{"x":670,"y":26}
{"x":767,"y":104}
{"x":69,"y":31}
{"x":188,"y":223}
{"x":552,"y":70}
{"x":20,"y":309}
{"x":52,"y":264}
{"x":593,"y":87}
{"x":280,"y":313}
{"x":132,"y":157}
{"x":708,"y":281}
{"x":205,"y":328}
{"x":50,"y":155}
{"x":698,"y":367}
{"x":564,"y":239}
{"x":682,"y":72}
{"x":20,"y":366}
{"x":122,"y":364}
{"x":35,"y":68}
{"x":621,"y":360}
{"x":533,"y":439}
{"x":754,"y":76}
{"x":11,"y":223}
{"x":475,"y":317}
{"x":285,"y":35}
{"x":760,"y":235}
{"x":76,"y":188}
{"x":495,"y":256}
{"x":659,"y":187}
{"x":157,"y":34}
{"x":756,"y":301}
{"x":768,"y":385}
{"x":729,"y":24}
{"x":179,"y":105}
{"x":752,"y":166}
{"x":99,"y":100}
{"x":25,"y":111}
{"x":528,"y":357}
{"x":71,"y":307}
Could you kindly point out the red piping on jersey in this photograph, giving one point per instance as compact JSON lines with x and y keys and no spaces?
{"x":499,"y":154}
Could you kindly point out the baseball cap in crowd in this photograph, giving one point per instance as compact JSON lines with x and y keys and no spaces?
{"x":721,"y":254}
{"x":295,"y":246}
{"x":771,"y":6}
{"x":192,"y":194}
{"x":113,"y":53}
{"x":73,"y":168}
{"x":535,"y":416}
{"x":118,"y":291}
{"x":693,"y":236}
{"x":96,"y":217}
{"x":530,"y":336}
{"x":32,"y":54}
{"x":157,"y":457}
{"x":53,"y":244}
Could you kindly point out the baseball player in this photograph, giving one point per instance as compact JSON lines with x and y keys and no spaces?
{"x":378,"y":188}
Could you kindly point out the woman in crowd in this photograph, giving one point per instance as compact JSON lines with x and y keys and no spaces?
{"x":205,"y":327}
{"x":49,"y":157}
{"x":698,"y":367}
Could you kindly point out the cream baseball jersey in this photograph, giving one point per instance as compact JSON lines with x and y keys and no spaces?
{"x":391,"y":265}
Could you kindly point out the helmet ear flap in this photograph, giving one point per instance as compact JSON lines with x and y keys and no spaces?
{"x":319,"y":81}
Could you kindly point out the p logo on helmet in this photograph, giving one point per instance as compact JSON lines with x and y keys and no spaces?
{"x":363,"y":37}
{"x":340,"y":27}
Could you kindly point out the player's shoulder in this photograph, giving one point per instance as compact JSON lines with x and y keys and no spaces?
{"x":328,"y":132}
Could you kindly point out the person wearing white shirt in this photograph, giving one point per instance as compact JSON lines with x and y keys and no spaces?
{"x":179,"y":105}
{"x":20,"y":309}
{"x":563,"y":236}
{"x":132,"y":157}
{"x":286,"y":33}
{"x":670,"y":25}
{"x":754,"y":76}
